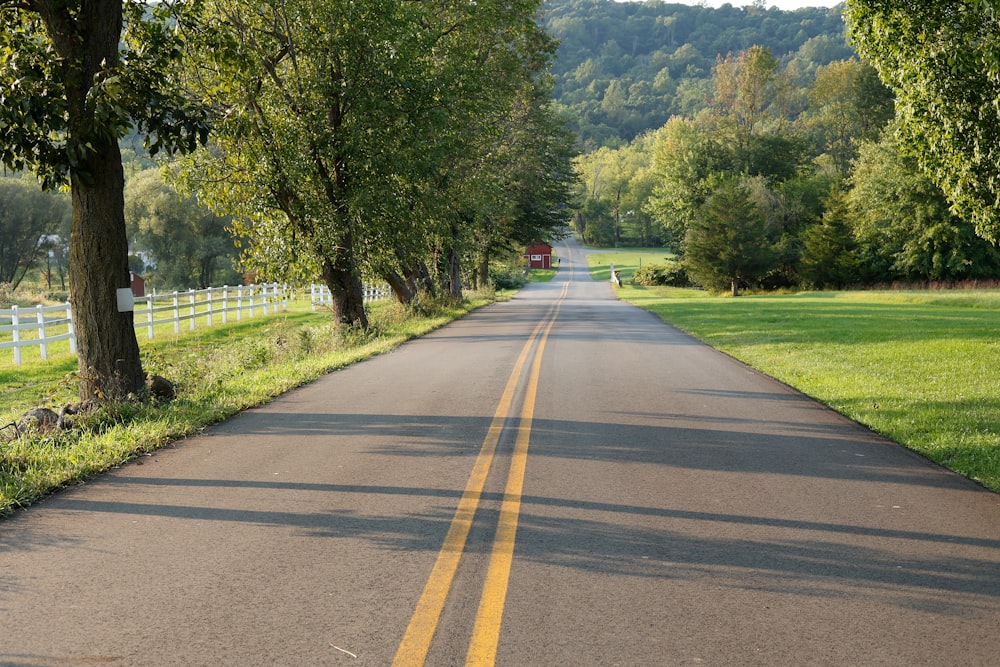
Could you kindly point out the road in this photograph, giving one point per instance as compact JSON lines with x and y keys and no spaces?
{"x":560,"y":479}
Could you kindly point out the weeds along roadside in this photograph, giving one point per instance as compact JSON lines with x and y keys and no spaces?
{"x":217,"y":372}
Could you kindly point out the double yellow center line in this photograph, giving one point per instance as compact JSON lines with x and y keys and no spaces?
{"x":412,"y":651}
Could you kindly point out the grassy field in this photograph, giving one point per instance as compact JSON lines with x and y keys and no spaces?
{"x":217,"y":371}
{"x":626,"y":262}
{"x":920,"y":367}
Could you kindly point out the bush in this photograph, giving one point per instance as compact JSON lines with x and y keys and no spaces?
{"x":672,"y":274}
{"x":503,"y":278}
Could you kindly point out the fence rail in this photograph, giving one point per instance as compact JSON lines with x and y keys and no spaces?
{"x":42,"y":325}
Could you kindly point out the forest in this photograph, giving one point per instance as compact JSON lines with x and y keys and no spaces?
{"x":624,"y":68}
{"x":756,"y":145}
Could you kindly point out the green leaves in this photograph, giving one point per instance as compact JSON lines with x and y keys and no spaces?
{"x":42,"y":70}
{"x":387,"y":126}
{"x":942,"y":59}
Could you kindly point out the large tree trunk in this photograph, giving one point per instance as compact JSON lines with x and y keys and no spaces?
{"x":341,"y":275}
{"x":399,"y":286}
{"x":484,"y":271}
{"x":454,"y":274}
{"x":452,"y":269}
{"x":109,"y":362}
{"x":419,"y":277}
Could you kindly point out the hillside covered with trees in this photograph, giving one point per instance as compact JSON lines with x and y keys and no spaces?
{"x":624,"y":68}
{"x":755,"y":144}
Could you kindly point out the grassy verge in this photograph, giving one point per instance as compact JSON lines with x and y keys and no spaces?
{"x":217,"y":371}
{"x":541,"y":275}
{"x":919,"y":367}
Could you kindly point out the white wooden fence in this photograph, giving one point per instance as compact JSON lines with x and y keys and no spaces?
{"x":215,"y":305}
{"x":43,"y":325}
{"x":40,"y":326}
{"x":50,"y":324}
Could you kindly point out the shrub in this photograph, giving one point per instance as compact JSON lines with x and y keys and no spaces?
{"x":504,"y":277}
{"x":672,"y":273}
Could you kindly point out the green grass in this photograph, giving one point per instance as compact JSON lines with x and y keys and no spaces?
{"x":541,"y":275}
{"x":217,"y":372}
{"x":625,"y":262}
{"x":920,"y":367}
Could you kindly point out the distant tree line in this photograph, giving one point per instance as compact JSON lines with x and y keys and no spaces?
{"x":33,"y":232}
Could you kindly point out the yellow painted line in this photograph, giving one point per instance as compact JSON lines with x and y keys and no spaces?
{"x":486,"y":633}
{"x":412,"y":651}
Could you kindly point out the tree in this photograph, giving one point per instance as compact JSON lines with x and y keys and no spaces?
{"x":685,"y":156}
{"x":73,"y":84}
{"x":744,"y":91}
{"x":829,"y":255}
{"x":28,"y":217}
{"x":904,"y":226}
{"x":848,"y":105}
{"x":534,"y":179}
{"x":726,"y":246}
{"x":596,"y":223}
{"x":942,"y":59}
{"x":343,"y":123}
{"x":191,"y":247}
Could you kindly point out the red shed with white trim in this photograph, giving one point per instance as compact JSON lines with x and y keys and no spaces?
{"x":539,"y":255}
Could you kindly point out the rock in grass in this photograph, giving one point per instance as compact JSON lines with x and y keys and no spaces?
{"x":160,"y":388}
{"x":38,"y":419}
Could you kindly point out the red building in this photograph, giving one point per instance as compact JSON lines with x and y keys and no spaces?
{"x":539,"y":255}
{"x":138,"y":284}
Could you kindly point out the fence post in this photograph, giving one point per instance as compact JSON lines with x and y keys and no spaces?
{"x":253,"y":292}
{"x":42,"y":344}
{"x":225,"y":303}
{"x":177,"y":313}
{"x":209,"y":322}
{"x":239,"y":302}
{"x":192,"y":311}
{"x":15,"y":321}
{"x":72,"y":328}
{"x":149,"y":315}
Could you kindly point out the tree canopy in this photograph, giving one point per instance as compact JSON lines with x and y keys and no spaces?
{"x":942,"y":59}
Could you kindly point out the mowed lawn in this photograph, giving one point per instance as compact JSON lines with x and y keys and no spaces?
{"x":920,"y":367}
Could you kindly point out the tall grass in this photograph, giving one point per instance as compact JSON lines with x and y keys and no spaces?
{"x":920,"y":366}
{"x":217,"y":372}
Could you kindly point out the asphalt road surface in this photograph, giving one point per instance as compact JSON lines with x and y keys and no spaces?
{"x":557,"y":480}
